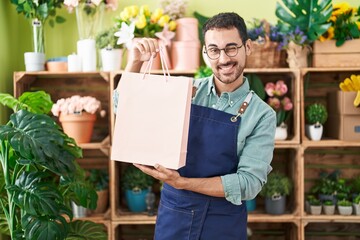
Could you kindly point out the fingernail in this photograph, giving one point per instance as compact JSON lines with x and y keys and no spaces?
{"x":156,"y":166}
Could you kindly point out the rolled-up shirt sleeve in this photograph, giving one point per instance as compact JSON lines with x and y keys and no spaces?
{"x":256,"y":153}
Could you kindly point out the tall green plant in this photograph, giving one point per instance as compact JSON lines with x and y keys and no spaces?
{"x":310,"y":16}
{"x":39,"y":175}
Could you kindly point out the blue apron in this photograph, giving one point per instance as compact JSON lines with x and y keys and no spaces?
{"x":212,"y":151}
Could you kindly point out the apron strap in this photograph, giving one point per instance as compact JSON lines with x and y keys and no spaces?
{"x":243,"y":107}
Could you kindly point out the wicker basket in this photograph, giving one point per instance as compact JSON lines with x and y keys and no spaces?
{"x":266,"y":55}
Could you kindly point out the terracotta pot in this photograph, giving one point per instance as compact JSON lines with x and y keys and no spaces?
{"x":103,"y":201}
{"x":78,"y":126}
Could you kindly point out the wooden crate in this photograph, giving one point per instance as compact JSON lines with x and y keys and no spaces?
{"x":326,"y":54}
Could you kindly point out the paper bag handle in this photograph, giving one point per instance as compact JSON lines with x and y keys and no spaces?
{"x":163,"y":64}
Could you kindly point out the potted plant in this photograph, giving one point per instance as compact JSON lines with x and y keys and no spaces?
{"x":40,"y":175}
{"x":110,"y":51}
{"x":38,"y":12}
{"x":315,"y":206}
{"x":99,"y":178}
{"x":275,"y":191}
{"x":356,"y":205}
{"x":136,"y":185}
{"x":315,"y":116}
{"x":281,"y":104}
{"x":325,"y":186}
{"x":77,"y":116}
{"x":344,"y":207}
{"x":329,"y":207}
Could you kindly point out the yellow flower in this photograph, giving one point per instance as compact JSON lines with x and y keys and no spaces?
{"x":144,"y":10}
{"x":125,"y":14}
{"x":156,"y":15}
{"x":358,"y":24}
{"x":164,"y":20}
{"x":328,"y":35}
{"x":140,"y":22}
{"x":134,"y":10}
{"x":341,"y":8}
{"x":172,"y":25}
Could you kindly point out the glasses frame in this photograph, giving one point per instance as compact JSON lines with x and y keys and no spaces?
{"x":220,"y":49}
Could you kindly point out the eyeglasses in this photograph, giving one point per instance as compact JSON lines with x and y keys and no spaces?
{"x":214,"y":52}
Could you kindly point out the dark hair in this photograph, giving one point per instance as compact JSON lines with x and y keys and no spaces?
{"x":227,"y":20}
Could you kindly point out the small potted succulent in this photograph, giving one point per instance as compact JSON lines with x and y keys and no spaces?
{"x":329,"y":207}
{"x":344,"y":207}
{"x":136,"y":185}
{"x":99,"y":178}
{"x":356,"y":204}
{"x":110,"y":51}
{"x":315,"y":115}
{"x":275,"y":191}
{"x":77,"y":116}
{"x":315,"y":206}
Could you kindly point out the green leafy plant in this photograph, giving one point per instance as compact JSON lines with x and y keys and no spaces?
{"x":203,"y":71}
{"x":276,"y":185}
{"x":40,"y":175}
{"x":201,"y":20}
{"x":310,"y":16}
{"x":107,"y":39}
{"x":357,"y":199}
{"x":41,"y":9}
{"x":134,"y":179}
{"x":99,"y":178}
{"x":356,"y":185}
{"x":315,"y":202}
{"x":328,"y":203}
{"x":326,"y":184}
{"x":344,"y":203}
{"x":316,"y":113}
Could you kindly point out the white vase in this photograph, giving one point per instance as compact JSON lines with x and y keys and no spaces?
{"x":34,"y":61}
{"x":345,"y":210}
{"x":314,"y":131}
{"x":315,"y":210}
{"x":110,"y":59}
{"x":281,"y":132}
{"x":329,"y":209}
{"x":356,"y":208}
{"x":87,"y":52}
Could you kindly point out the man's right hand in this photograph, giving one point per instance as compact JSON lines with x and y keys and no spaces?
{"x":141,"y":51}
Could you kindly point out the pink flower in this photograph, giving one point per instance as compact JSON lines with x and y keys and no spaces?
{"x":274,"y":103}
{"x":71,"y":3}
{"x":75,"y":105}
{"x":280,"y":88}
{"x":287,"y":104}
{"x":96,"y":2}
{"x":269,"y":89}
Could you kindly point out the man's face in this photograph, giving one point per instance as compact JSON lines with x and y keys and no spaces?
{"x":227,"y":70}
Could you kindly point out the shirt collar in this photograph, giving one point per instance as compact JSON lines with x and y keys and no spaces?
{"x":234,"y":96}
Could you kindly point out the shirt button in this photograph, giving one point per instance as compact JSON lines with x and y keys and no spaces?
{"x":231,"y":102}
{"x":214,"y":106}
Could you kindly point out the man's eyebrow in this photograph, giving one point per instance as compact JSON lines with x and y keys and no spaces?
{"x":229,"y":44}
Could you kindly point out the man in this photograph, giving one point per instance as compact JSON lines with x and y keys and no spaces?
{"x":230,"y":146}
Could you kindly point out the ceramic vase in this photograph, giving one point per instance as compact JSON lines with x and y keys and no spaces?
{"x":281,"y":132}
{"x":314,"y":131}
{"x":78,"y":126}
{"x":110,"y":59}
{"x":297,"y":55}
{"x":35,"y":60}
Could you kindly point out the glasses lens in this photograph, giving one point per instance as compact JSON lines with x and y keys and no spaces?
{"x":231,"y":51}
{"x":213,"y":53}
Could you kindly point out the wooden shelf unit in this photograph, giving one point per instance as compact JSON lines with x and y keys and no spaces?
{"x":297,"y":156}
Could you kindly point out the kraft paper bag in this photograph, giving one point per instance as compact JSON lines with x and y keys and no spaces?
{"x":152,"y":120}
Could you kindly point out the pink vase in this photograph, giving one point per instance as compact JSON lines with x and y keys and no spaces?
{"x":185,"y":55}
{"x":187,"y":29}
{"x":78,"y":126}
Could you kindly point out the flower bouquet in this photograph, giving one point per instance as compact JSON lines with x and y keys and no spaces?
{"x":278,"y":100}
{"x":77,"y":116}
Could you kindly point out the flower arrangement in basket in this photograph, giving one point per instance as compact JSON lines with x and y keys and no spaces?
{"x":265,"y":41}
{"x":345,"y":24}
{"x":278,"y":100}
{"x":77,"y":116}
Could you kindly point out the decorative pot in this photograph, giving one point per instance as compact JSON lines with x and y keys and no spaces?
{"x":78,"y":126}
{"x":111,"y":59}
{"x":329,"y":209}
{"x":315,"y":210}
{"x":78,"y":211}
{"x":314,"y":131}
{"x":34,"y":61}
{"x":185,"y":55}
{"x":345,"y":210}
{"x":136,"y":199}
{"x":356,"y":208}
{"x":102,"y":202}
{"x":281,"y":132}
{"x":275,"y":205}
{"x":297,"y":55}
{"x":187,"y":29}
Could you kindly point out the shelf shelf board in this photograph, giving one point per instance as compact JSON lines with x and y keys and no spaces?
{"x":332,"y":69}
{"x":329,"y":143}
{"x":331,"y":218}
{"x":257,"y":218}
{"x":95,"y":145}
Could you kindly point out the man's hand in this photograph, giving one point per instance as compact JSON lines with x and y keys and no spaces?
{"x":141,"y":51}
{"x":161,"y":173}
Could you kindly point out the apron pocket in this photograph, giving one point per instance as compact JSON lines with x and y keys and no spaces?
{"x":173,"y":223}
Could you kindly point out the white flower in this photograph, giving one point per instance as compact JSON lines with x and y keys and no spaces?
{"x":126,"y":34}
{"x":71,"y":3}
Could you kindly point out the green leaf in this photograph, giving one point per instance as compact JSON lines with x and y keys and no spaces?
{"x":4,"y":227}
{"x":9,"y":101}
{"x":60,"y":19}
{"x":86,"y":230}
{"x":36,"y":102}
{"x":201,"y":21}
{"x":256,"y":85}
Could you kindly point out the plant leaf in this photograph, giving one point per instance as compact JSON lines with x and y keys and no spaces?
{"x":36,"y":102}
{"x":86,"y":230}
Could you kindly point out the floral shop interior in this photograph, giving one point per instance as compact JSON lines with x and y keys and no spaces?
{"x":63,"y":59}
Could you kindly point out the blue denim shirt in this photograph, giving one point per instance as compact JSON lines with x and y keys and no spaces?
{"x":255,"y":137}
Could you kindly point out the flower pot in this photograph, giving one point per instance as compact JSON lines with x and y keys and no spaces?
{"x":187,"y":29}
{"x":78,"y":211}
{"x":281,"y":132}
{"x":111,"y":59}
{"x":314,"y":131}
{"x":57,"y":64}
{"x":345,"y":210}
{"x":185,"y":55}
{"x":102,"y":202}
{"x":315,"y":210}
{"x":275,"y":205}
{"x":34,"y":61}
{"x":297,"y":55}
{"x":329,"y":210}
{"x":78,"y":126}
{"x":136,"y":200}
{"x":356,"y":208}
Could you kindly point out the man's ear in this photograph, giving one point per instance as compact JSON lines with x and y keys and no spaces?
{"x":248,"y":47}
